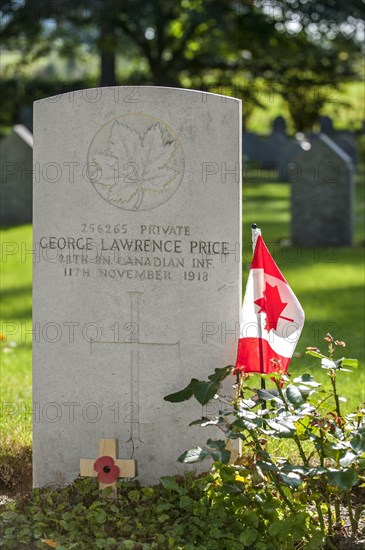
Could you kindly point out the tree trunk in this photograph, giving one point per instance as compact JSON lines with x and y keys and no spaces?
{"x":161,"y":76}
{"x":107,"y":54}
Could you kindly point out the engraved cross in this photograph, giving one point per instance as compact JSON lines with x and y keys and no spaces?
{"x":135,"y":346}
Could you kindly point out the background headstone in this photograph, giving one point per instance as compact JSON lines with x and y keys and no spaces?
{"x":137,"y":272}
{"x":343,"y":138}
{"x":322,"y":197}
{"x":326,"y":125}
{"x":275,"y":145}
{"x":266,"y":151}
{"x":279,"y":125}
{"x":287,"y":169}
{"x":252,"y":147}
{"x":274,"y":148}
{"x":16,"y":177}
{"x":348,"y":144}
{"x":26,"y":117}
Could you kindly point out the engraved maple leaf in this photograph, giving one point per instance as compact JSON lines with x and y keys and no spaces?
{"x":273,"y":306}
{"x":135,"y":164}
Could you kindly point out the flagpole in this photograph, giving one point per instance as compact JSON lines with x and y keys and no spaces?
{"x":265,"y":349}
{"x":256,"y":232}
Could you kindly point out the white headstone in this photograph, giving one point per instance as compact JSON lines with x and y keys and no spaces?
{"x":137,"y":273}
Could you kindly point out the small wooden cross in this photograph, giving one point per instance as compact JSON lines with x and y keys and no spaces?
{"x":108,"y":466}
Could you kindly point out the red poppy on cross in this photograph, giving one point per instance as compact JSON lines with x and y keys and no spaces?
{"x":107,"y":468}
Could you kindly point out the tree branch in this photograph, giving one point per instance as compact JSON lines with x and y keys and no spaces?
{"x":136,"y":37}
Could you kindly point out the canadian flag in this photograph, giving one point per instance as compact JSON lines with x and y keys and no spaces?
{"x":272,"y":317}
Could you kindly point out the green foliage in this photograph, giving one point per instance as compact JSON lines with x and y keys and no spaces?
{"x":302,"y":50}
{"x":202,"y":391}
{"x":216,"y":450}
{"x":17,"y":93}
{"x":324,"y":458}
{"x":218,"y":511}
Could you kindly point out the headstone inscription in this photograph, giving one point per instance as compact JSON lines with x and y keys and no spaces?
{"x":137,"y":274}
{"x":16,"y":153}
{"x":322,"y":196}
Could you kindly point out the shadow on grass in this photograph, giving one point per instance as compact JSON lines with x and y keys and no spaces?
{"x":16,"y":292}
{"x":16,"y":303}
{"x":312,"y":256}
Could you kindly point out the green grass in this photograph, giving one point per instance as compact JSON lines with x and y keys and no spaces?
{"x":16,"y":352}
{"x":328,"y":283}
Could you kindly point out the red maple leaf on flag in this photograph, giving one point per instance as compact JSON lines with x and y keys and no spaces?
{"x":272,"y":305}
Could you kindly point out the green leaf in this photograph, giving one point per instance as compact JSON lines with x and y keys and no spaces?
{"x":169,"y":483}
{"x":344,"y":479}
{"x":317,"y":471}
{"x":101,"y":516}
{"x":134,"y":496}
{"x":282,"y":429}
{"x":217,"y":452}
{"x":163,"y":517}
{"x":205,"y":391}
{"x":266,"y":466}
{"x":220,"y":374}
{"x":277,"y":528}
{"x":205,"y":422}
{"x":251,"y":518}
{"x":217,"y":444}
{"x":202,"y":391}
{"x":292,"y":479}
{"x":164,"y":506}
{"x":305,"y":390}
{"x":306,"y":379}
{"x":268,"y":395}
{"x":352,"y":363}
{"x":294,"y":395}
{"x":358,"y":443}
{"x":182,"y":395}
{"x":247,"y":404}
{"x":247,"y":423}
{"x":221,"y":456}
{"x":302,"y":470}
{"x":347,"y":459}
{"x":220,"y":453}
{"x":194,"y":455}
{"x":248,"y":537}
{"x":186,"y":502}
